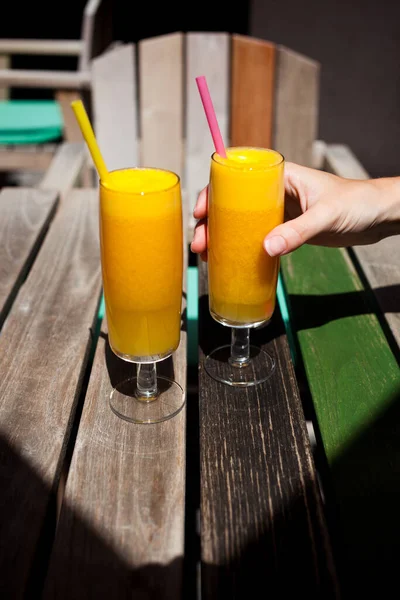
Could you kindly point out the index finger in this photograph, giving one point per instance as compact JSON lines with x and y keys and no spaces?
{"x":201,"y":208}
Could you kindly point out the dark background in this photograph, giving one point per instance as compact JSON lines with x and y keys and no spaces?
{"x":357,"y":44}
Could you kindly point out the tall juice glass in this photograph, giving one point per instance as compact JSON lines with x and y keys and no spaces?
{"x":141,"y":243}
{"x":246,"y":201}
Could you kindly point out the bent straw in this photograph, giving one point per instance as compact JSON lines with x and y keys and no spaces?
{"x":211,"y":116}
{"x":88,"y":134}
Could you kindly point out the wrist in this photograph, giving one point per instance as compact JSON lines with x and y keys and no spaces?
{"x":388,"y":189}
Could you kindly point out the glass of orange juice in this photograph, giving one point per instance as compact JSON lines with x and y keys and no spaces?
{"x":246,"y":201}
{"x":141,"y":242}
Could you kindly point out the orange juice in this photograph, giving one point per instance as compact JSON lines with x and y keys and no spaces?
{"x":142,"y":262}
{"x":246,"y":201}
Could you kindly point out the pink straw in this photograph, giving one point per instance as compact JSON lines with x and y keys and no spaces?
{"x":211,"y":116}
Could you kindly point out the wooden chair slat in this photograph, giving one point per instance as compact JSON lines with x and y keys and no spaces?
{"x":296,"y":106}
{"x":25,"y":215}
{"x":261,"y":511}
{"x":121,"y":528}
{"x":161,"y":102}
{"x":206,"y":54}
{"x":253,"y":78}
{"x":66,"y":167}
{"x":115,"y":106}
{"x":34,"y":158}
{"x":44,"y":347}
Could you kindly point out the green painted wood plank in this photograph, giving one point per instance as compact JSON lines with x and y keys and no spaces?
{"x":351,"y":370}
{"x":354,"y":382}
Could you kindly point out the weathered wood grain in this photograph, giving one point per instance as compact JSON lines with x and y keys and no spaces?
{"x":161,"y":102}
{"x":24,"y":217}
{"x":121,"y":529}
{"x":262,"y":518}
{"x":67,"y":165}
{"x":115,"y":106}
{"x":380,"y":262}
{"x":44,"y":347}
{"x":252,"y":93}
{"x":296,"y":106}
{"x":206,"y":54}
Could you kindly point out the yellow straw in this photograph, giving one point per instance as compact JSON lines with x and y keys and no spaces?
{"x":88,"y":134}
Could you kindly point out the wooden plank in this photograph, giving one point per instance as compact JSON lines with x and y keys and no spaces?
{"x":253,"y":78}
{"x":262,"y":518}
{"x":66,"y":167}
{"x":380,"y":262}
{"x":44,"y":347}
{"x":71,"y":129}
{"x":121,"y":529}
{"x":17,"y":158}
{"x":318,"y":152}
{"x":115,"y":106}
{"x":296,"y":106}
{"x":161,"y":102}
{"x":206,"y":54}
{"x":43,"y":47}
{"x":44,"y":79}
{"x":353,"y":380}
{"x":340,"y":160}
{"x":25,"y":215}
{"x":4,"y":64}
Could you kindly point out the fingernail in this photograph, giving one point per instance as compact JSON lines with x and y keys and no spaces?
{"x":275,"y":245}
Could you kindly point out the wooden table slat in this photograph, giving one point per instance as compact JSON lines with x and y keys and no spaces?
{"x":25,"y":214}
{"x":121,"y":529}
{"x":262,"y":518}
{"x":44,"y":348}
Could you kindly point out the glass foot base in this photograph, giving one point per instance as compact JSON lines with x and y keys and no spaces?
{"x":127,"y":405}
{"x":259,"y":368}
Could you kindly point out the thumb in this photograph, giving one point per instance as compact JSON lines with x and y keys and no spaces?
{"x":291,"y":235}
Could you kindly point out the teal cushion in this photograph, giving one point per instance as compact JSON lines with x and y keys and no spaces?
{"x":30,"y":121}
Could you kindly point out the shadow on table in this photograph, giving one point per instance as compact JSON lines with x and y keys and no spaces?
{"x":270,"y":556}
{"x":95,"y":570}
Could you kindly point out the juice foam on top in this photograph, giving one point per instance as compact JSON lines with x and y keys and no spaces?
{"x":248,"y":158}
{"x":140,"y":181}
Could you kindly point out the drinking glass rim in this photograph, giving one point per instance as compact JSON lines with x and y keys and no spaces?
{"x":110,"y":188}
{"x":214,"y":158}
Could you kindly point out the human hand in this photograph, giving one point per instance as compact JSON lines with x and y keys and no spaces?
{"x":322,"y":209}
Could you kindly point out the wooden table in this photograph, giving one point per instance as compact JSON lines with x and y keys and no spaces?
{"x":94,"y":507}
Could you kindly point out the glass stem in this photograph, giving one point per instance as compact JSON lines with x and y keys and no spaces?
{"x":240,"y":347}
{"x":146,"y":382}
